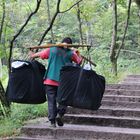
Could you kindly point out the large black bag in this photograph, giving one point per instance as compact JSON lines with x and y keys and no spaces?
{"x":80,"y":88}
{"x":25,"y":83}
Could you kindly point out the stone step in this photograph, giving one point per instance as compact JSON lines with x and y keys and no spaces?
{"x":122,"y":92}
{"x":82,"y":132}
{"x":120,"y":104}
{"x":23,"y":138}
{"x":128,"y":77}
{"x":133,"y":76}
{"x":123,"y":86}
{"x":130,"y":82}
{"x":34,"y":138}
{"x":110,"y":111}
{"x":46,"y":138}
{"x":87,"y":119}
{"x":131,"y":79}
{"x":118,"y":98}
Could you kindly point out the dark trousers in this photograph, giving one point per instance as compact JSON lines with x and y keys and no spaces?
{"x":53,"y":107}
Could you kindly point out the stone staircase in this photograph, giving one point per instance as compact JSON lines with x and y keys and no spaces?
{"x":117,"y":119}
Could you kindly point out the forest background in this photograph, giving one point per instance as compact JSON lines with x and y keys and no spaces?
{"x":111,"y":27}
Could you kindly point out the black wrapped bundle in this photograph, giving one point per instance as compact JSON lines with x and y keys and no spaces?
{"x":25,"y":83}
{"x":80,"y":88}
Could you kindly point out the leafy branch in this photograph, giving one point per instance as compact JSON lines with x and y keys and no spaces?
{"x":71,"y":7}
{"x":54,"y":17}
{"x":19,"y":32}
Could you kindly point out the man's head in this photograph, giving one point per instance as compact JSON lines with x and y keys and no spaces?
{"x":67,"y":40}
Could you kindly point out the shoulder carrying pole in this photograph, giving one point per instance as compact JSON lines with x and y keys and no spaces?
{"x":58,"y":45}
{"x":63,"y":45}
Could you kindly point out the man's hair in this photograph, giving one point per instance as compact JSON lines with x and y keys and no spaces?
{"x":67,"y":40}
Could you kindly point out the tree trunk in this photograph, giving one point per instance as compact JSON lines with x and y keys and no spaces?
{"x":3,"y":100}
{"x":114,"y":66}
{"x":2,"y":96}
{"x":2,"y":38}
{"x":114,"y":37}
{"x":113,"y":54}
{"x":139,"y":30}
{"x":80,"y":23}
{"x":125,"y":30}
{"x":2,"y":20}
{"x":49,"y":20}
{"x":90,"y":38}
{"x":5,"y":104}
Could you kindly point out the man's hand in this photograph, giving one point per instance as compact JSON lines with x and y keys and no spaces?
{"x":31,"y":54}
{"x":76,"y":51}
{"x":65,"y":44}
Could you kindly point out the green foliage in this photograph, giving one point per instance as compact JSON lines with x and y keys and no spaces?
{"x":8,"y":128}
{"x":97,"y":19}
{"x":22,"y":112}
{"x":4,"y":75}
{"x":19,"y":114}
{"x":66,"y":28}
{"x":1,"y":51}
{"x":125,"y":66}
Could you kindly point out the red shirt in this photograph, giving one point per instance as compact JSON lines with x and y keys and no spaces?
{"x":45,"y":55}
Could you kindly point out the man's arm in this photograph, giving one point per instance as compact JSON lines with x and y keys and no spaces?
{"x":43,"y":54}
{"x":76,"y":57}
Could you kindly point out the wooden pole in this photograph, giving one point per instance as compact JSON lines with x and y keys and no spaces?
{"x":58,"y":45}
{"x":63,"y":45}
{"x":92,"y":63}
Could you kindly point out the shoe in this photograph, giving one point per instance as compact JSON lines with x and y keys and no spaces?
{"x":52,"y":124}
{"x":59,"y":120}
